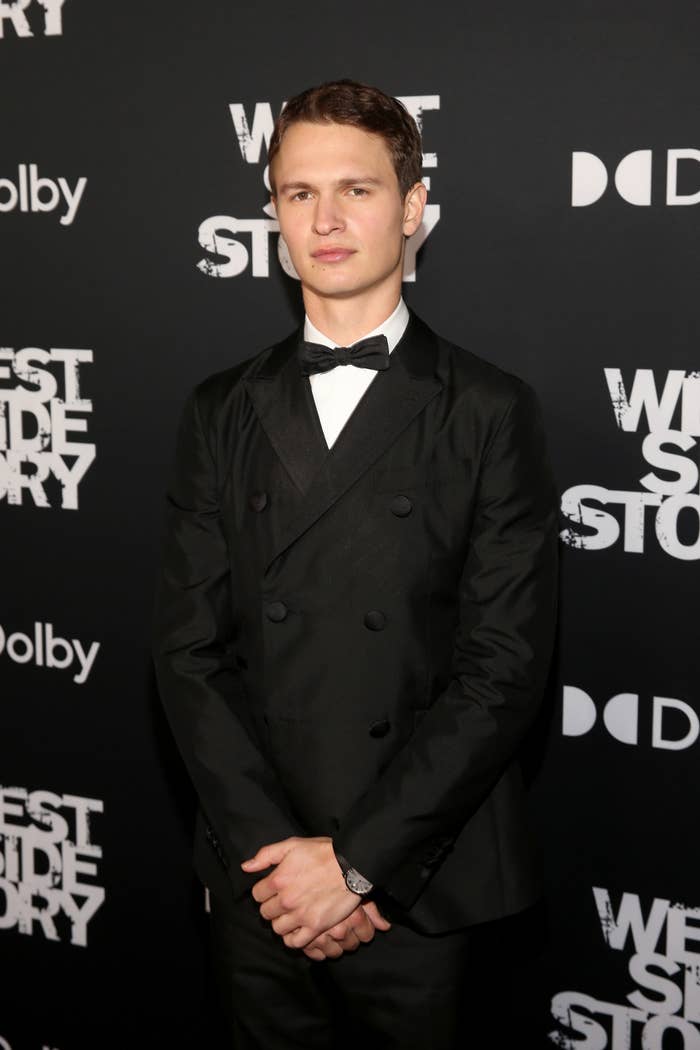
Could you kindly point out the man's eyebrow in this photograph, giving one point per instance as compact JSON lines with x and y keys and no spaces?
{"x":286,"y":186}
{"x":350,"y":180}
{"x":365,"y":179}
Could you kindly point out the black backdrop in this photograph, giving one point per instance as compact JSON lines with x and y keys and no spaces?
{"x":534,"y":263}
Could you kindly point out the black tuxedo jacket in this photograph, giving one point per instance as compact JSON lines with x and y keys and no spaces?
{"x":353,"y":642}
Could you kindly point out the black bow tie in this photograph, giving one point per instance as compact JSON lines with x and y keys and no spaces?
{"x":368,"y":353}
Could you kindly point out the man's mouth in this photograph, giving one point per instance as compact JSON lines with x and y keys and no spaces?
{"x":331,"y":255}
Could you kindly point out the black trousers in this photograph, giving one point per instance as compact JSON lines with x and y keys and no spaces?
{"x":403,"y":990}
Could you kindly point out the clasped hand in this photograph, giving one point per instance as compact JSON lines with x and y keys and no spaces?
{"x":306,"y":900}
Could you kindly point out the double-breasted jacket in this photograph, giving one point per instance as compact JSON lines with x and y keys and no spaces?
{"x":354,"y":642}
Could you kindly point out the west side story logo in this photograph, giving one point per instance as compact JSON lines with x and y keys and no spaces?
{"x":45,"y":17}
{"x":665,"y":961}
{"x":43,"y":452}
{"x":217,"y":235}
{"x":48,"y":864}
{"x":4,"y":1045}
{"x":667,"y":447}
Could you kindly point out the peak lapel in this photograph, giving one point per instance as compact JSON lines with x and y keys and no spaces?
{"x":392,"y":400}
{"x":284,"y":404}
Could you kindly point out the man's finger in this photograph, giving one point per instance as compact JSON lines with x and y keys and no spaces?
{"x":273,"y":853}
{"x":315,"y":953}
{"x":375,"y":916}
{"x":264,"y":890}
{"x":362,"y":926}
{"x":271,"y":908}
{"x":357,"y":923}
{"x":331,"y":945}
{"x":340,"y":930}
{"x":317,"y":946}
{"x":350,"y":943}
{"x":332,"y":949}
{"x":300,"y":937}
{"x":285,"y":924}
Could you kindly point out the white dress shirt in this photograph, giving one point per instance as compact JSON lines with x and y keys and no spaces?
{"x":338,"y":391}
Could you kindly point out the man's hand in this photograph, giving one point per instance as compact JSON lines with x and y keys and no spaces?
{"x":346,"y":936}
{"x":305,"y":896}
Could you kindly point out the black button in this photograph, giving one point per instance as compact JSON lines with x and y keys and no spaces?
{"x":258,"y":500}
{"x":378,"y":729}
{"x":401,"y":506}
{"x":375,"y":620}
{"x":276,"y":611}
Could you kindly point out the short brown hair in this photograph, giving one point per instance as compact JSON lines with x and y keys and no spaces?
{"x":362,"y":106}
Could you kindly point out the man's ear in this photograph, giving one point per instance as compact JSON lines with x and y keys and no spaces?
{"x":413,"y":208}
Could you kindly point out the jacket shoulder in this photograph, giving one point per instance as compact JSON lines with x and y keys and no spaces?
{"x":483,"y":378}
{"x":465,"y":371}
{"x":481,"y":390}
{"x":213,"y":392}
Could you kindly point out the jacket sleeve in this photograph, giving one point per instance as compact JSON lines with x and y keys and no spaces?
{"x":502,"y":649}
{"x":194,"y":656}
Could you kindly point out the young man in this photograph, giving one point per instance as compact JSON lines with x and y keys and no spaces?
{"x":355,"y":620}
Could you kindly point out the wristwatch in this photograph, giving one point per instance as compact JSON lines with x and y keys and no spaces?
{"x":353,"y":880}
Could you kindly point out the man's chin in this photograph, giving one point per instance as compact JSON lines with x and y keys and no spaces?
{"x":340,"y":289}
{"x":334,"y":289}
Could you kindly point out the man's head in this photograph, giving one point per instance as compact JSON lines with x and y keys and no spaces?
{"x":345,"y":164}
{"x":360,"y":106}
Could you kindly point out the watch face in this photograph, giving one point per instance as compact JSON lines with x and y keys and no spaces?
{"x":356,"y":882}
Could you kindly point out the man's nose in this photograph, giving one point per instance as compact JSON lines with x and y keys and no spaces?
{"x":327,"y":215}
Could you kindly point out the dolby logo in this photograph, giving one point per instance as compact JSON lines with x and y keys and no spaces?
{"x":632,"y":177}
{"x":31,"y":193}
{"x":675,"y":725}
{"x":43,"y":648}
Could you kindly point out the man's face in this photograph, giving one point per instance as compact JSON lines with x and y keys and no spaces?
{"x":340,"y":209}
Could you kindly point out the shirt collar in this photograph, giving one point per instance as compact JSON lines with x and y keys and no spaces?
{"x":393,"y":328}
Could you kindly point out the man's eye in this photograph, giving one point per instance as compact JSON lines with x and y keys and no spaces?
{"x":301,"y":195}
{"x":358,"y":191}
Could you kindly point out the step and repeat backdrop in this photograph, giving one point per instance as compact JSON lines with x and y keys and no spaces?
{"x":139,"y":253}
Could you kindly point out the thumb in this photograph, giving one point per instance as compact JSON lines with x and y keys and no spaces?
{"x":273,"y":853}
{"x":376,"y":917}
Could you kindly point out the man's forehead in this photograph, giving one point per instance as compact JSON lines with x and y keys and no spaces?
{"x":311,"y":153}
{"x":328,"y":139}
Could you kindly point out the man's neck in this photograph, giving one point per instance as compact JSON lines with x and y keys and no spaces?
{"x":347,"y":320}
{"x":392,"y":328}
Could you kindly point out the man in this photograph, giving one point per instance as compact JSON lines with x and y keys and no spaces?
{"x":355,"y":620}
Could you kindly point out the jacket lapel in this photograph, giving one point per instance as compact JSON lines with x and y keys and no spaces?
{"x":284,"y":404}
{"x":285,"y":407}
